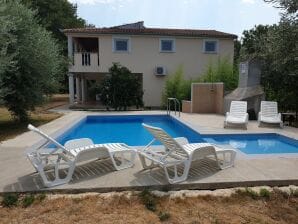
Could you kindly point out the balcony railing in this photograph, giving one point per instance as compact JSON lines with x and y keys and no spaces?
{"x":85,"y":62}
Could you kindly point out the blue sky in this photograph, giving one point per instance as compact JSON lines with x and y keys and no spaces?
{"x":232,"y":16}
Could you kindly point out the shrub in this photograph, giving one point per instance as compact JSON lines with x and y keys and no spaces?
{"x":148,"y":200}
{"x":163,"y":216}
{"x":248,"y":192}
{"x":176,"y":86}
{"x":28,"y":200}
{"x":264,"y":193}
{"x":222,"y":71}
{"x":121,"y":89}
{"x":10,"y":199}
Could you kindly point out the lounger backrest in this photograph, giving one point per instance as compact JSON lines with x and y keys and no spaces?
{"x":238,"y":108}
{"x":36,"y":130}
{"x":170,"y":143}
{"x":269,"y":108}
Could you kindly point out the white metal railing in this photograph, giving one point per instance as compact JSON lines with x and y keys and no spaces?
{"x":176,"y":104}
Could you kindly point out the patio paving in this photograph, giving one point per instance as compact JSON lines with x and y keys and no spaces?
{"x":17,"y":174}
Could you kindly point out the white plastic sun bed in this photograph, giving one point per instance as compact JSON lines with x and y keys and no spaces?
{"x":74,"y":151}
{"x":269,"y":113}
{"x":178,"y":152}
{"x":238,"y":114}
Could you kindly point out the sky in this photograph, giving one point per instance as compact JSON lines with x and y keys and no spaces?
{"x":231,"y":16}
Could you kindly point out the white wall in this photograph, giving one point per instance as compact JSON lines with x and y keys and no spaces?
{"x":145,"y":56}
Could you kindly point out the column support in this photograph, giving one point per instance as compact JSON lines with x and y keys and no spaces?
{"x":71,"y":88}
{"x":83,"y":90}
{"x":78,"y":89}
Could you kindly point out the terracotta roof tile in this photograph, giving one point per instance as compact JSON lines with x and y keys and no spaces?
{"x":152,"y":31}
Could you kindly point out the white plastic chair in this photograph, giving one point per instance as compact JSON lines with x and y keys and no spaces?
{"x":179,"y":152}
{"x":74,"y":151}
{"x":238,"y":114}
{"x":269,"y":113}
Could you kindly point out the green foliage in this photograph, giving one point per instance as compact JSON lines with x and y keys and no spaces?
{"x":248,"y":192}
{"x":163,"y":216}
{"x":148,"y":200}
{"x":10,"y":199}
{"x":28,"y":200}
{"x":29,"y":57}
{"x":276,"y":47}
{"x":176,"y":86}
{"x":121,"y":89}
{"x":264,"y":193}
{"x":55,"y":15}
{"x":222,"y":71}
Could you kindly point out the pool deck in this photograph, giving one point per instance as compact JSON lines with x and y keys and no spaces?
{"x":17,"y":174}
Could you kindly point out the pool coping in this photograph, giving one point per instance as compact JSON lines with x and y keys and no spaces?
{"x":167,"y":187}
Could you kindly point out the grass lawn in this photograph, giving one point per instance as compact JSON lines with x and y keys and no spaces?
{"x":9,"y":128}
{"x":273,"y":208}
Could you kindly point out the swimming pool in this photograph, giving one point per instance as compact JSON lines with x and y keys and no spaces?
{"x":128,"y":129}
{"x":256,"y":143}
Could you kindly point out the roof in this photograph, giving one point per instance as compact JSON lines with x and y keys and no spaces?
{"x":139,"y":29}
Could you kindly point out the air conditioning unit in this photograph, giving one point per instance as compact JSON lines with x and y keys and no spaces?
{"x":160,"y":70}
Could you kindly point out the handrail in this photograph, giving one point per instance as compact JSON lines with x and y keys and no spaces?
{"x":176,"y":102}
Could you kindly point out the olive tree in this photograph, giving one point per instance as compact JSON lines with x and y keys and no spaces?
{"x":30,"y":60}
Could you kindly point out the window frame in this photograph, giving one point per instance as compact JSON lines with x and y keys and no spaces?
{"x":121,"y":38}
{"x":167,"y":39}
{"x":216,"y":46}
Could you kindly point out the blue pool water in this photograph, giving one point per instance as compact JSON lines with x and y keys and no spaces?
{"x":256,"y":143}
{"x":128,"y":129}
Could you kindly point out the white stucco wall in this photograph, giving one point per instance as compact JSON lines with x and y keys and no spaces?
{"x":144,"y":56}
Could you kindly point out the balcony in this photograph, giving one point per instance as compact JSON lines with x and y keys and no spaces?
{"x":85,"y":62}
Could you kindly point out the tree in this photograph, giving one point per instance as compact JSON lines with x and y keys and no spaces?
{"x":177,"y":86}
{"x":276,"y":47}
{"x":121,"y":89}
{"x":30,"y":60}
{"x":56,"y":15}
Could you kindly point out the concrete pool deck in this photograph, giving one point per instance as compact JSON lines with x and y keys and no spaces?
{"x":17,"y":174}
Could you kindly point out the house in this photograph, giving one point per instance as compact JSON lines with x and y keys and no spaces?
{"x":152,"y":53}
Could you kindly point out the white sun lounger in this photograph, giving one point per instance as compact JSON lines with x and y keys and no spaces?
{"x":74,"y":151}
{"x":269,"y":113}
{"x":238,"y":114}
{"x":178,"y":152}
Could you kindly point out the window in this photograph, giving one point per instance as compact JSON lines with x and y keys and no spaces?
{"x":210,"y":46}
{"x":121,"y":44}
{"x":167,"y":45}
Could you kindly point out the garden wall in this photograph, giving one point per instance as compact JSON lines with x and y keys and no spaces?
{"x":205,"y":98}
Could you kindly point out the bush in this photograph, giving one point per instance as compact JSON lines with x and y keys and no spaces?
{"x":177,"y":87}
{"x":28,"y":200}
{"x":222,"y":71}
{"x":148,"y":200}
{"x":264,"y":193}
{"x":121,"y":89}
{"x":10,"y":199}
